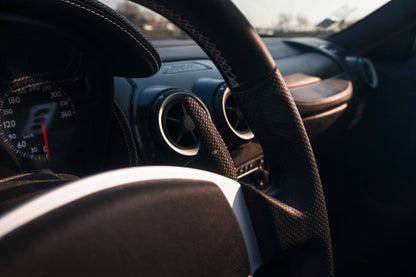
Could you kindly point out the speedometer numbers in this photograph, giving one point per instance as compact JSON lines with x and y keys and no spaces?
{"x":36,"y":120}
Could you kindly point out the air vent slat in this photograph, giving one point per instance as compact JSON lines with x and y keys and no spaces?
{"x":174,"y":120}
{"x":176,"y":126}
{"x":179,"y":138}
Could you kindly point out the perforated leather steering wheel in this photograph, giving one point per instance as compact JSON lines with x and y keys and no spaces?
{"x":295,"y":216}
{"x":290,"y":223}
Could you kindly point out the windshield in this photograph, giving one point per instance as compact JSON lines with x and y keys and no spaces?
{"x":275,"y":18}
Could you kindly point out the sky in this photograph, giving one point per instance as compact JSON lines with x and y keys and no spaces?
{"x":264,"y":13}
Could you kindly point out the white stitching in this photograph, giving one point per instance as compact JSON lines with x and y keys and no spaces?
{"x":112,"y":22}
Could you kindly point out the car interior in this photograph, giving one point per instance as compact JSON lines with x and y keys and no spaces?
{"x":224,"y":153}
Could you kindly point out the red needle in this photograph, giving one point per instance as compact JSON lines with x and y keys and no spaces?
{"x":45,"y":138}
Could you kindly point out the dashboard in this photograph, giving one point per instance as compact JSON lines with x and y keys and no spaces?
{"x":62,"y":109}
{"x":320,"y":76}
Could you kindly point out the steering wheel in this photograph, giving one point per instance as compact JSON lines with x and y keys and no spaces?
{"x":290,"y":223}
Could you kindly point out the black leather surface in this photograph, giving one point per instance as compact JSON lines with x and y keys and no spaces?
{"x":153,"y":228}
{"x":296,"y":217}
{"x":213,"y":151}
{"x":291,"y":220}
{"x":17,"y":189}
{"x":297,"y":214}
{"x":128,"y":52}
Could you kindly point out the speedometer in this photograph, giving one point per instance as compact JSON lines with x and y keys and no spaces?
{"x":36,"y":119}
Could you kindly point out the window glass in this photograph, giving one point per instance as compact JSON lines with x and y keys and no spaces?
{"x":274,"y":18}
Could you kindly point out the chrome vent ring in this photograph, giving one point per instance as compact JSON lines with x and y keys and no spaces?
{"x":369,"y":73}
{"x":234,"y":117}
{"x":175,"y":125}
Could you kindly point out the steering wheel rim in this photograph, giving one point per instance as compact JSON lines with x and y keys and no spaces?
{"x":293,"y":218}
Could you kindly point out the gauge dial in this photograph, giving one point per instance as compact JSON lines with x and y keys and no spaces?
{"x":36,"y":120}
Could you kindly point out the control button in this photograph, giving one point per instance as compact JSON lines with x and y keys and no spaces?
{"x":261,"y":163}
{"x":262,"y":179}
{"x":260,"y":184}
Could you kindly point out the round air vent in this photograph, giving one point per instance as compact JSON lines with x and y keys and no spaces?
{"x":364,"y":69}
{"x":175,"y":126}
{"x":228,"y":112}
{"x":369,"y":73}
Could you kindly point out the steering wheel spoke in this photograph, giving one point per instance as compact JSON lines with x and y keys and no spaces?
{"x":291,"y":226}
{"x":212,"y":148}
{"x":296,"y":220}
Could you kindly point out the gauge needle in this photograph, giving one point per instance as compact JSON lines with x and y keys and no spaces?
{"x":45,"y":138}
